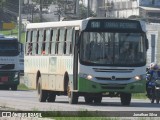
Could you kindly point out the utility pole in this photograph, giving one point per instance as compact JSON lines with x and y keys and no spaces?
{"x":20,"y":21}
{"x":88,"y":7}
{"x":40,"y":10}
{"x":77,"y":8}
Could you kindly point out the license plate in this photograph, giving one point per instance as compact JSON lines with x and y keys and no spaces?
{"x":4,"y":79}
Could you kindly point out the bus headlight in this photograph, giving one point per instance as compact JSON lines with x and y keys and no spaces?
{"x":86,"y":76}
{"x":16,"y":75}
{"x":137,"y":77}
{"x":140,"y":77}
{"x":89,"y":77}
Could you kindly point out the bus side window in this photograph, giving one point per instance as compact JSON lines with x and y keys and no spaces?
{"x":34,"y":42}
{"x":65,"y":42}
{"x":40,"y":40}
{"x":37,"y":42}
{"x":57,"y":41}
{"x":44,"y":42}
{"x":61,"y":41}
{"x":47,"y":45}
{"x":28,"y":35}
{"x":29,"y":43}
{"x":53,"y":43}
{"x":69,"y":37}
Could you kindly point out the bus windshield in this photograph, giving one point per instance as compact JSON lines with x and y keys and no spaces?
{"x":112,"y":49}
{"x":8,"y":49}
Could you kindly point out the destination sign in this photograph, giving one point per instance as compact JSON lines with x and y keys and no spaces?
{"x":122,"y":25}
{"x":116,"y":24}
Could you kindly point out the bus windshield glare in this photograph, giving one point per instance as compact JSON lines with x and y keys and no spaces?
{"x":113,"y":49}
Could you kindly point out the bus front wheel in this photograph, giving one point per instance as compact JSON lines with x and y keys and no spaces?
{"x":88,"y":99}
{"x":72,"y":96}
{"x":98,"y":99}
{"x":125,"y":99}
{"x":42,"y":94}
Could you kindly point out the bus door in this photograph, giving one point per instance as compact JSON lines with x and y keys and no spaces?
{"x":75,"y":61}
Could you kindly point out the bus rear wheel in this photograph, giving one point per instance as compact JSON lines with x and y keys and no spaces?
{"x":51,"y":97}
{"x":42,"y":94}
{"x":14,"y":87}
{"x":72,"y":96}
{"x":125,"y":99}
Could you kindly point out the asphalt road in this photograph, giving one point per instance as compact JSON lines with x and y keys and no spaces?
{"x":27,"y":100}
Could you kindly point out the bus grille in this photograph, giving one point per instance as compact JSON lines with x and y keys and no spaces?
{"x":113,"y":70}
{"x":7,"y":66}
{"x":119,"y":79}
{"x":114,"y":86}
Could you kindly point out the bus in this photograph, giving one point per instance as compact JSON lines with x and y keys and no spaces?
{"x":72,"y":58}
{"x":9,"y":57}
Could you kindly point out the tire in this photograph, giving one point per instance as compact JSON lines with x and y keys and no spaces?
{"x":125,"y":99}
{"x":14,"y":87}
{"x":152,"y":96}
{"x":157,"y":96}
{"x":72,"y":96}
{"x":88,"y":99}
{"x":98,"y":99}
{"x":51,"y":97}
{"x":157,"y":100}
{"x":42,"y":94}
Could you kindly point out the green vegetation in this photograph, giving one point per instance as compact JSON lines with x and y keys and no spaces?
{"x":85,"y":118}
{"x":139,"y":96}
{"x":13,"y":32}
{"x":22,"y":87}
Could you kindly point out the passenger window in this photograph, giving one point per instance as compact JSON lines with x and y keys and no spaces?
{"x":68,"y":41}
{"x":34,"y":42}
{"x":61,"y":42}
{"x":44,"y":43}
{"x":54,"y":41}
{"x":29,"y":43}
{"x":40,"y":39}
{"x":48,"y":39}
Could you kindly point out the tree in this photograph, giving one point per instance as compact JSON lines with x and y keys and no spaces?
{"x":9,"y":10}
{"x":83,"y":12}
{"x":82,"y":9}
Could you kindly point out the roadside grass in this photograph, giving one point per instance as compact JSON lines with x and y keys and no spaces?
{"x":13,"y":32}
{"x":139,"y":96}
{"x":84,"y":118}
{"x":22,"y":87}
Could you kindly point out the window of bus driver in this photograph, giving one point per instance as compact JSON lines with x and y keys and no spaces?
{"x":105,"y":48}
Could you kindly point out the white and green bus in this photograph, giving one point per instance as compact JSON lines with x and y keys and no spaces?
{"x":83,"y":58}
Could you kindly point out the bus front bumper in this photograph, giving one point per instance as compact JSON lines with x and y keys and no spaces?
{"x":85,"y":85}
{"x":9,"y":78}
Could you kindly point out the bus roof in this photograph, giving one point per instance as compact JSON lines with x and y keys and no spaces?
{"x":78,"y":23}
{"x":53,"y":24}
